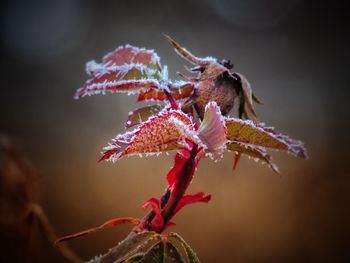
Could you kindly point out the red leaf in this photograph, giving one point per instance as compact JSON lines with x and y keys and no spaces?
{"x":109,"y":223}
{"x":180,"y":160}
{"x":94,"y":86}
{"x":236,"y":157}
{"x":154,"y":136}
{"x":182,"y":92}
{"x":158,"y":220}
{"x":126,"y":63}
{"x":129,"y":54}
{"x":190,"y":199}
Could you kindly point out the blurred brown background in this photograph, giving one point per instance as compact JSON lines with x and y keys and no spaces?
{"x":295,"y":54}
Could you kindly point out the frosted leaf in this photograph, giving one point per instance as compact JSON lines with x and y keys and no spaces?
{"x":166,"y":128}
{"x":124,"y":86}
{"x":179,"y":91}
{"x":212,"y":131}
{"x":124,"y":63}
{"x":246,"y":131}
{"x":129,"y":54}
{"x":253,"y":151}
{"x":104,"y":77}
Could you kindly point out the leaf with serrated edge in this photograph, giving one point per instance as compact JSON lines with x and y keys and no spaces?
{"x":253,"y":151}
{"x":153,"y":136}
{"x":164,"y":252}
{"x":123,"y":64}
{"x":129,"y":54}
{"x":130,"y":86}
{"x":246,"y":131}
{"x":129,"y":247}
{"x":192,"y":257}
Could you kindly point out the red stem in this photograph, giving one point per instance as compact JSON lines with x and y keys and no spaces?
{"x":180,"y":186}
{"x":171,"y":196}
{"x":173,"y":103}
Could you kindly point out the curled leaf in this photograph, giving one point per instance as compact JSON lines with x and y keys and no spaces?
{"x":248,"y":96}
{"x":155,"y":203}
{"x":246,"y":131}
{"x":212,"y":131}
{"x":190,"y":199}
{"x":181,"y":159}
{"x":109,"y":223}
{"x":191,"y":255}
{"x":255,"y":152}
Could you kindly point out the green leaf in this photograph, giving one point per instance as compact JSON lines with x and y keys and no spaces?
{"x":134,"y":259}
{"x":164,"y":252}
{"x":191,"y":255}
{"x":128,"y":247}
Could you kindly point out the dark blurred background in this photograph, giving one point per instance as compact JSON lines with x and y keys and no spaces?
{"x":296,"y":56}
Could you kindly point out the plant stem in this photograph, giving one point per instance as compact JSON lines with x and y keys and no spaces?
{"x":163,"y":201}
{"x":180,"y":186}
